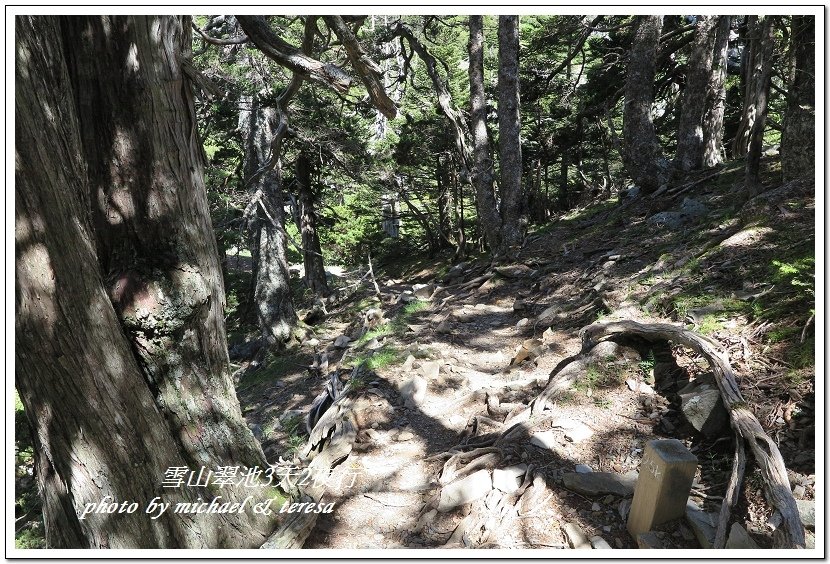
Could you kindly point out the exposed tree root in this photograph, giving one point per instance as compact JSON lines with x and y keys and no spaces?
{"x":744,"y":423}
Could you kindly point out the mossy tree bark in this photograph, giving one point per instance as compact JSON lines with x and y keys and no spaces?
{"x":121,"y":361}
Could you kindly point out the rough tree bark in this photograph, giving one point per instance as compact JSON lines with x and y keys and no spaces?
{"x":699,"y":72}
{"x":510,"y":126}
{"x":716,"y":97}
{"x":120,"y":345}
{"x":756,"y":107}
{"x":265,"y":217}
{"x":642,"y":154}
{"x":752,"y":71}
{"x":315,"y":271}
{"x":263,"y":130}
{"x":798,"y":151}
{"x":489,"y":220}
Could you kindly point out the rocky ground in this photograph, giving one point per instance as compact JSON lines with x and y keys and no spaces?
{"x":463,"y":351}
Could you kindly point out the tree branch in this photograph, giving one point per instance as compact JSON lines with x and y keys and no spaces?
{"x":368,"y":72}
{"x":292,"y":58}
{"x":217,"y":41}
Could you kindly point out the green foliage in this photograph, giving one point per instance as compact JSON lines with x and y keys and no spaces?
{"x":599,"y":376}
{"x":383,"y":357}
{"x":800,"y":273}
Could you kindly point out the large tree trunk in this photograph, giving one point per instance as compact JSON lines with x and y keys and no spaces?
{"x":642,"y":154}
{"x":756,"y":107}
{"x":443,"y":201}
{"x":798,"y":150}
{"x":510,"y":126}
{"x":120,"y":346}
{"x":716,"y":97}
{"x":699,"y":72}
{"x":489,"y":221}
{"x":756,"y":72}
{"x":266,"y":228}
{"x":315,"y":271}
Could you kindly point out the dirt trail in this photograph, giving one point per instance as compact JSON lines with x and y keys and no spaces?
{"x":460,"y":345}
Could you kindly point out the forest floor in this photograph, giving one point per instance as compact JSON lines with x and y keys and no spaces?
{"x":450,"y":369}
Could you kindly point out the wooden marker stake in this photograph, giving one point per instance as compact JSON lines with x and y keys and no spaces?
{"x":666,"y":474}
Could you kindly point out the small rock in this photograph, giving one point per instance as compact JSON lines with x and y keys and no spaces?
{"x":703,"y":525}
{"x":807,"y":511}
{"x":739,"y":538}
{"x":619,"y":543}
{"x":596,"y":507}
{"x":423,"y":291}
{"x":518,"y":305}
{"x":799,"y":491}
{"x":405,"y":436}
{"x":471,"y":488}
{"x":523,"y":322}
{"x":810,"y":540}
{"x":704,"y":410}
{"x":456,"y":421}
{"x":599,"y":543}
{"x":408,"y":363}
{"x":372,"y":434}
{"x":669,"y":219}
{"x":578,"y":433}
{"x":431,"y":369}
{"x":513,"y":271}
{"x":576,"y":537}
{"x":624,"y":508}
{"x":414,"y":391}
{"x":462,"y":316}
{"x":649,"y":540}
{"x":312,"y":342}
{"x":407,"y":297}
{"x":444,"y":328}
{"x":583,"y":469}
{"x":640,"y":387}
{"x":508,"y":479}
{"x":342,"y":342}
{"x":595,"y":484}
{"x":693,"y":208}
{"x":607,"y":528}
{"x":545,"y":439}
{"x":373,"y":345}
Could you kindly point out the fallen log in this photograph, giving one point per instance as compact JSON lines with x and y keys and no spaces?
{"x":746,"y":426}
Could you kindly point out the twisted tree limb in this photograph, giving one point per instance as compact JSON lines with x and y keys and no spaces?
{"x":287,"y":55}
{"x":744,"y":423}
{"x":368,"y":72}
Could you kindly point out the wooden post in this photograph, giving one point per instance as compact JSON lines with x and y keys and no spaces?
{"x":666,"y":474}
